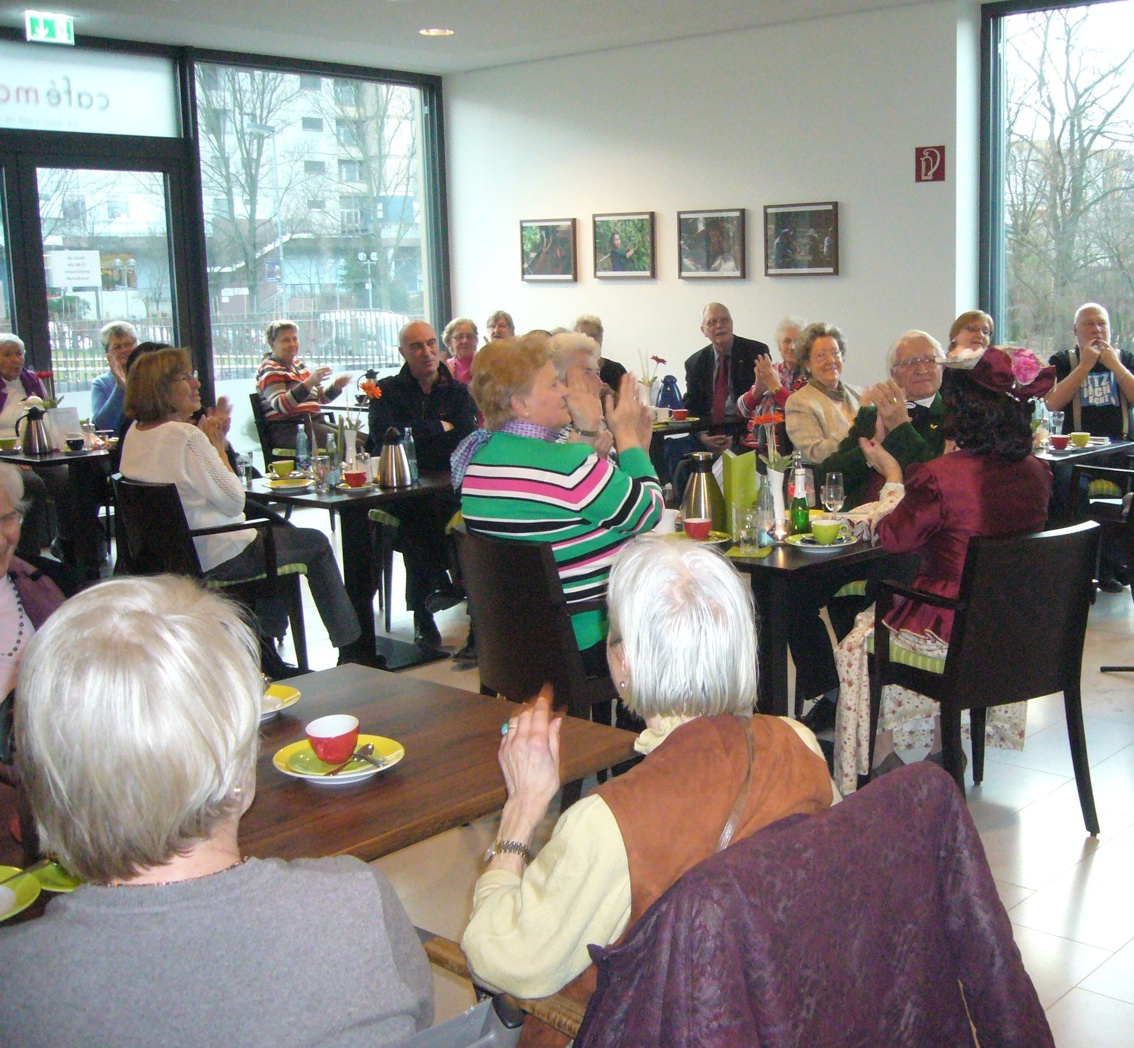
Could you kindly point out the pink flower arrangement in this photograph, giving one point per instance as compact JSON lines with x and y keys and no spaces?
{"x":1025,"y":366}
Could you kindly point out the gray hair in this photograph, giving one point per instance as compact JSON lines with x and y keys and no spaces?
{"x":116,"y":327}
{"x":714,"y":305}
{"x":589,"y":324}
{"x":786,"y":324}
{"x":455,"y":323}
{"x":157,"y":684}
{"x":810,"y":335}
{"x":498,"y":315}
{"x":892,"y":354}
{"x":567,"y":346}
{"x":271,"y":333}
{"x":12,"y":484}
{"x":684,"y":617}
{"x":1078,"y":313}
{"x":8,"y":339}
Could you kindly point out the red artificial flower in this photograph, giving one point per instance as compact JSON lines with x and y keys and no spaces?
{"x":371,"y":389}
{"x":45,"y":374}
{"x":657,"y":360}
{"x":773,"y":419}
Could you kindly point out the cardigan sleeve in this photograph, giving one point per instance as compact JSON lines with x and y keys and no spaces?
{"x":208,"y":476}
{"x":528,"y":936}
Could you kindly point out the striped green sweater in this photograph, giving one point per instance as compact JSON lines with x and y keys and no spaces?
{"x":524,"y":488}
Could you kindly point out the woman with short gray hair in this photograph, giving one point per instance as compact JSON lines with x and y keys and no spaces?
{"x":175,"y":939}
{"x":682,"y":653}
{"x":821,"y":413}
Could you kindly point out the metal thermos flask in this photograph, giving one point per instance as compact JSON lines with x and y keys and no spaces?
{"x":703,"y":496}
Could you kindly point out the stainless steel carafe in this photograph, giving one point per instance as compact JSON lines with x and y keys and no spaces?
{"x":703,"y":496}
{"x":34,"y":439}
{"x":393,"y":465}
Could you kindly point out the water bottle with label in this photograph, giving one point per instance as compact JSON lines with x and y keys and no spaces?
{"x":302,"y":449}
{"x":411,"y":453}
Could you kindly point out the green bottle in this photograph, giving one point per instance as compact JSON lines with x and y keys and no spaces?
{"x":800,"y":517}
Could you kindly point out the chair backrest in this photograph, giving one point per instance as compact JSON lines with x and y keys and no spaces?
{"x":263,"y":430}
{"x":156,"y":531}
{"x":760,"y":945}
{"x":524,"y":636}
{"x":1020,"y":630}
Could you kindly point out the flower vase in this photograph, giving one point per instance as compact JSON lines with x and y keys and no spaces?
{"x":770,"y":446}
{"x":350,"y":446}
{"x":776,"y":479}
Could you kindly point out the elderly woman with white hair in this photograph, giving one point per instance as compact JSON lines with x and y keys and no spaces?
{"x":576,"y":359}
{"x":176,"y":937}
{"x":682,"y":653}
{"x":119,"y":339}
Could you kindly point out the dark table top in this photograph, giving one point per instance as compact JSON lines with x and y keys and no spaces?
{"x":1072,"y":454}
{"x":56,"y":458}
{"x":428,"y":484}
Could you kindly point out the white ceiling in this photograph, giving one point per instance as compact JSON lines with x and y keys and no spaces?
{"x":384,"y":33}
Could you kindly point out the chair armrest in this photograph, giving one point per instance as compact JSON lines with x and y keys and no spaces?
{"x":263,"y":526}
{"x":895,"y":589}
{"x":562,"y":1010}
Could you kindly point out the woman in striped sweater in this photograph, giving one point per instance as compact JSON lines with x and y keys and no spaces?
{"x":518,"y":482}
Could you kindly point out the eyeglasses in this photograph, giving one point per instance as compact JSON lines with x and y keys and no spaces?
{"x":185,"y":376}
{"x":827,"y":354}
{"x":12,"y":520}
{"x":920,"y":362}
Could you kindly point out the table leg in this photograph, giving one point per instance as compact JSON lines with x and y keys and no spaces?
{"x":770,"y":595}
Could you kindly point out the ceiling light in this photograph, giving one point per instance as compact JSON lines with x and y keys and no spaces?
{"x":436,"y":32}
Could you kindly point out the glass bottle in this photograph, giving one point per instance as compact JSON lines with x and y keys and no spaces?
{"x":411,"y":453}
{"x":766,"y":514}
{"x":800,"y":515}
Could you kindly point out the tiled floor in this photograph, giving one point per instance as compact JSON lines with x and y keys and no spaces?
{"x":1070,"y":897}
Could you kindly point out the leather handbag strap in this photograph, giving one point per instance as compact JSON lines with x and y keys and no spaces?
{"x":725,"y":838}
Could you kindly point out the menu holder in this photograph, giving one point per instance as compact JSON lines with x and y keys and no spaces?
{"x":62,"y":423}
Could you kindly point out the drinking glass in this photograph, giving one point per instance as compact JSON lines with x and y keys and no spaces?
{"x":748,"y":532}
{"x":320,"y":468}
{"x":833,"y":495}
{"x":1055,"y":425}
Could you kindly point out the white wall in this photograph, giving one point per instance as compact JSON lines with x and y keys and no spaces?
{"x":829,"y":109}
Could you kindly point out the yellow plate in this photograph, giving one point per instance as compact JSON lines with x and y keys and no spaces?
{"x":291,"y":484}
{"x":277,"y":698}
{"x":25,"y":889}
{"x":299,"y":761}
{"x":56,"y":878}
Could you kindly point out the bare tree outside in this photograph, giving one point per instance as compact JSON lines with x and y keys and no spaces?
{"x":1069,"y":172}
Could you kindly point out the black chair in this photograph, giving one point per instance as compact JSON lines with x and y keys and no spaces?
{"x":383,"y":532}
{"x":1018,"y":629}
{"x":524,"y":636}
{"x":159,"y":541}
{"x":1108,"y":500}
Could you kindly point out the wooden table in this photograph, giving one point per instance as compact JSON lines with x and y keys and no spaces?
{"x":772,"y":578}
{"x":352,"y":508}
{"x":448,"y":776}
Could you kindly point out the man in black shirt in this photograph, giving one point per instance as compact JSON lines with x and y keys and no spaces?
{"x":441,"y":411}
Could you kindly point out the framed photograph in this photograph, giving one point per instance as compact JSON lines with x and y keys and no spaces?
{"x":624,"y":245}
{"x":710,"y":244}
{"x":547,"y":249}
{"x":801,"y":240}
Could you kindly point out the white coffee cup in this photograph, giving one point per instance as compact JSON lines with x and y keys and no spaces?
{"x":662,"y":414}
{"x":666,"y":526}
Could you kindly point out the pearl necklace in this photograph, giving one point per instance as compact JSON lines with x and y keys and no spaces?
{"x":21,"y":625}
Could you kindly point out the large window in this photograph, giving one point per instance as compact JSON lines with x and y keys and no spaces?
{"x":1060,"y":174}
{"x":321,"y":218}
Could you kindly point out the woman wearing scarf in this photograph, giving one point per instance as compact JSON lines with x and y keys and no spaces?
{"x":820,"y":414}
{"x":518,"y":483}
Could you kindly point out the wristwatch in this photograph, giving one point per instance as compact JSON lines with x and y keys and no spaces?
{"x":513,"y":847}
{"x":585,"y":432}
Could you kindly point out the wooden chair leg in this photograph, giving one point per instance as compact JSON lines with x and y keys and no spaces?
{"x":1077,"y":736}
{"x":951,"y":745}
{"x":298,"y":630}
{"x":978,"y":720}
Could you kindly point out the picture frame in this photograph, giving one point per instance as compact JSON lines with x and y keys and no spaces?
{"x":632,"y":255}
{"x":710,"y":244}
{"x":801,"y":240}
{"x":548,"y":250}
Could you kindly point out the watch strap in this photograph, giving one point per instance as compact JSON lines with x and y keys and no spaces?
{"x":508,"y":847}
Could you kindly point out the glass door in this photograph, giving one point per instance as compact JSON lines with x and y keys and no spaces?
{"x":106,"y":247}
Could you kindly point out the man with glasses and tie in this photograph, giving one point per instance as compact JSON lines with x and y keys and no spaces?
{"x":718,"y":375}
{"x":904,"y":413}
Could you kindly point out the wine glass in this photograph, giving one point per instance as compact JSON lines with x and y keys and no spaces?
{"x":833,"y":495}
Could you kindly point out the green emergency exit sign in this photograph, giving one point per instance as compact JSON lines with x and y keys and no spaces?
{"x":41,"y":27}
